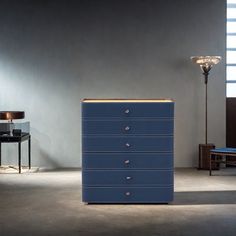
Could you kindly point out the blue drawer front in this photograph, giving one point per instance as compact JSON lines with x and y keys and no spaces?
{"x":149,"y":127}
{"x":127,"y":177}
{"x":127,"y":195}
{"x":127,"y":160}
{"x":129,"y":144}
{"x":112,"y":110}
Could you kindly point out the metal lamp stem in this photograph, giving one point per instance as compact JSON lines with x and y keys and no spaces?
{"x":206,"y":81}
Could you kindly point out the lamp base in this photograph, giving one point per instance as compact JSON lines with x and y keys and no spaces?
{"x":204,"y":157}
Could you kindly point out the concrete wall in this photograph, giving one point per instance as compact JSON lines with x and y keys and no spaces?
{"x":55,"y":53}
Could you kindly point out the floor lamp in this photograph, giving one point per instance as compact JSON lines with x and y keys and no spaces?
{"x":205,"y":63}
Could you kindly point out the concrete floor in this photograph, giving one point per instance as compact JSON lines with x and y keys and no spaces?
{"x":49,"y":203}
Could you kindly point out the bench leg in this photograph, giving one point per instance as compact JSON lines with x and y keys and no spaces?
{"x":210,"y":164}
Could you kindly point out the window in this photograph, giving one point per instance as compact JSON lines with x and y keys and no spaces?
{"x":231,"y":49}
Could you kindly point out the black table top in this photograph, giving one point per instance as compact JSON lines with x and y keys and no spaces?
{"x":6,"y":138}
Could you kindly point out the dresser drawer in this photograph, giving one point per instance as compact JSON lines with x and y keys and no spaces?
{"x":113,"y":110}
{"x":121,"y":127}
{"x":127,"y":177}
{"x":127,"y":194}
{"x":128,"y":144}
{"x":127,"y":160}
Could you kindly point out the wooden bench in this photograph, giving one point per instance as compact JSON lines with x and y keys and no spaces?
{"x":217,"y":154}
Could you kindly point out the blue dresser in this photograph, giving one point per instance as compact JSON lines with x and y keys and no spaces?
{"x":127,"y":151}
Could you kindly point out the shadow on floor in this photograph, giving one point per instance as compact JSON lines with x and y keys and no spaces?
{"x":204,"y":197}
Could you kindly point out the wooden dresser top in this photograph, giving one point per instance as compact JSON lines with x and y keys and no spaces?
{"x":88,"y":100}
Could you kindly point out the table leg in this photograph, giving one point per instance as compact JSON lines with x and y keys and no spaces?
{"x":29,"y":151}
{"x":19,"y":156}
{"x":0,"y":154}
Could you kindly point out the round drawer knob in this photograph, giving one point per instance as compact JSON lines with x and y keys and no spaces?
{"x":127,"y":128}
{"x":127,"y":111}
{"x":127,"y":193}
{"x":128,"y":177}
{"x":127,"y":145}
{"x":127,"y":161}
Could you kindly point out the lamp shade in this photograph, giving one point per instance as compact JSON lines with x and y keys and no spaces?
{"x":12,"y":115}
{"x":206,"y":62}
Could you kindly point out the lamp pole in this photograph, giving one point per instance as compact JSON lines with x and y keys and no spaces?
{"x":205,"y":70}
{"x":206,"y":81}
{"x":205,"y":63}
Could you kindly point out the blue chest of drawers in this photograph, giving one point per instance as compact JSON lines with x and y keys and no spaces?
{"x":127,"y":151}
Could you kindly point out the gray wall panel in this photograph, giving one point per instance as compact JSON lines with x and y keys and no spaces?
{"x":55,"y":53}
